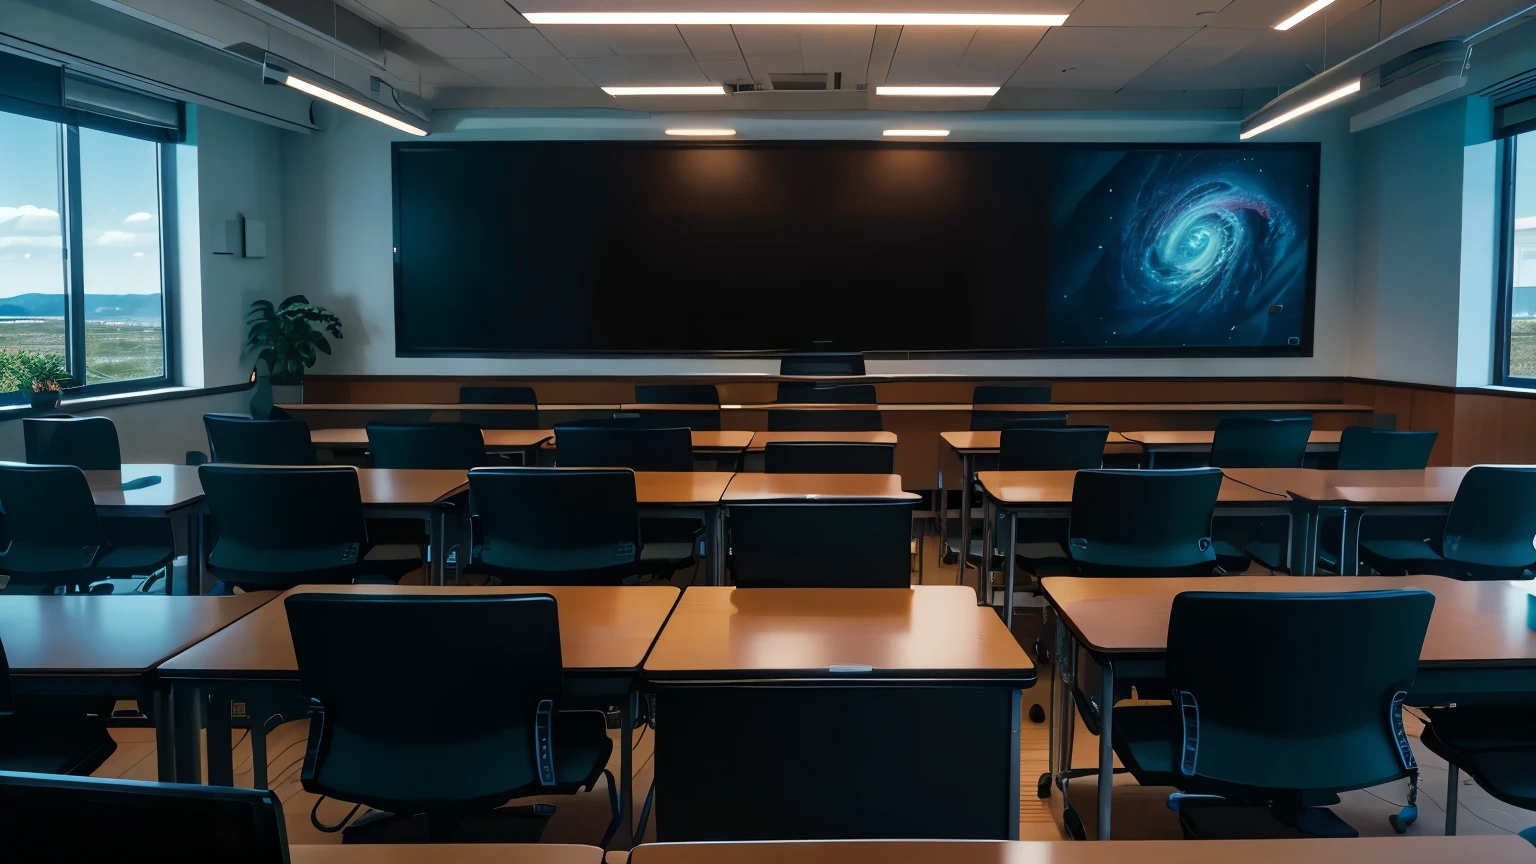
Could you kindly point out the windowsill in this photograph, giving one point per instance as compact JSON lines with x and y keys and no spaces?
{"x":91,"y":403}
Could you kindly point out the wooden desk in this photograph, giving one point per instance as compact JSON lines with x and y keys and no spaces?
{"x":1200,"y":440}
{"x":1498,"y":849}
{"x":866,"y":673}
{"x":461,"y":853}
{"x":177,"y":496}
{"x":704,"y":441}
{"x":760,"y":440}
{"x":1071,"y":407}
{"x":605,"y":634}
{"x":747,"y":488}
{"x":82,"y":645}
{"x":628,"y":407}
{"x":496,"y":440}
{"x":1048,"y":494}
{"x":689,"y":494}
{"x":1477,"y":643}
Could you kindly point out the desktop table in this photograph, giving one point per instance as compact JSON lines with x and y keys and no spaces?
{"x":249,"y":671}
{"x":748,"y":488}
{"x":355,"y":439}
{"x":908,"y":698}
{"x":470,"y":853}
{"x":1200,"y":441}
{"x":667,"y":494}
{"x":110,"y":646}
{"x":175,"y":493}
{"x":1477,"y":644}
{"x":1048,"y":495}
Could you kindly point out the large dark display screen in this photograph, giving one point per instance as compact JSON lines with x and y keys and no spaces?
{"x":634,"y":248}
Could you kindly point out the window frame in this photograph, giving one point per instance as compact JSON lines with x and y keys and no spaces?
{"x":1505,"y":288}
{"x":73,"y":263}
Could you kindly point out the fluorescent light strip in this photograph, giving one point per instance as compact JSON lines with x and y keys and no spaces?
{"x":319,"y":92}
{"x":916,"y":133}
{"x":702,"y":133}
{"x":711,"y":90}
{"x":1304,"y":14}
{"x":936,"y":91}
{"x":1306,"y":108}
{"x":899,"y":19}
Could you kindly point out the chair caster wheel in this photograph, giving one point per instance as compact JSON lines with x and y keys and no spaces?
{"x":1043,"y":786}
{"x":1036,"y":714}
{"x":1401,"y":820}
{"x":1073,"y":824}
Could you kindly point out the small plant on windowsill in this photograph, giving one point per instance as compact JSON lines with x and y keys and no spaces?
{"x":288,"y":336}
{"x":43,"y":376}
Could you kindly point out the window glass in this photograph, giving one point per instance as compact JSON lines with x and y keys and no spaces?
{"x":32,"y":264}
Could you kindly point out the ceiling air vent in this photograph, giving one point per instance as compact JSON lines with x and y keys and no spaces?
{"x":804,"y":81}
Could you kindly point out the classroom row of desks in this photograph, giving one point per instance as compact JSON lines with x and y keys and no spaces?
{"x":1041,"y":407}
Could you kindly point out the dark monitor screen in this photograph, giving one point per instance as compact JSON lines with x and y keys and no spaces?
{"x":47,"y":817}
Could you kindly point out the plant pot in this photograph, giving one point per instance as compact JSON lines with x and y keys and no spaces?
{"x":286,"y":394}
{"x":45,"y":400}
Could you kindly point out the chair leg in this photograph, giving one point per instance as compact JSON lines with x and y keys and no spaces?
{"x":1451,"y":786}
{"x":613,"y":807}
{"x":645,"y":814}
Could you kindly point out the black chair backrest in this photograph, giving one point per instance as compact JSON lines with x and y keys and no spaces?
{"x":1492,"y":521}
{"x":7,"y":700}
{"x":1363,"y":448}
{"x":823,"y":420}
{"x":505,"y":419}
{"x":479,"y":714}
{"x":558,"y":525}
{"x":993,"y":394}
{"x":276,"y":521}
{"x":1065,"y":449}
{"x":639,"y":449}
{"x":50,"y":518}
{"x":822,"y":544}
{"x":802,"y":393}
{"x":983,"y":420}
{"x":1143,"y":523}
{"x":88,"y":443}
{"x":1250,"y":670}
{"x":244,"y":441}
{"x":1254,"y":442}
{"x":677,"y":394}
{"x":829,"y":457}
{"x":993,"y":421}
{"x":427,"y":445}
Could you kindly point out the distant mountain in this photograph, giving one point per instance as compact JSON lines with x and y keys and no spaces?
{"x":98,"y":307}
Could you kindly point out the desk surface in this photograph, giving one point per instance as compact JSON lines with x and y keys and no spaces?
{"x":815,"y":487}
{"x":178,"y":487}
{"x":429,"y":406}
{"x":1482,"y":623}
{"x":495,"y":439}
{"x":927,"y":631}
{"x":1429,"y":486}
{"x":111,"y":635}
{"x":681,"y":487}
{"x":733,"y":440}
{"x":1205,"y":437}
{"x":761,"y":440}
{"x":1499,"y":849}
{"x":1046,"y":407}
{"x":465,"y":853}
{"x":991,"y":442}
{"x":1055,"y":487}
{"x":396,"y":487}
{"x":601,"y":629}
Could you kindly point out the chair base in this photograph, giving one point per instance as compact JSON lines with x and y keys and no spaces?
{"x":502,"y":825}
{"x":1223,"y":821}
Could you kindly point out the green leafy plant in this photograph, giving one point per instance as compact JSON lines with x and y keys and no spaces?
{"x":288,"y":336}
{"x":32,"y":371}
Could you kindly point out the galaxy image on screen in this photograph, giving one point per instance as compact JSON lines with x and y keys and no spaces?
{"x":1190,"y":248}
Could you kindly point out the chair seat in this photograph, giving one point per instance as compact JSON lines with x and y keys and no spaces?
{"x":667,"y":551}
{"x":47,"y":742}
{"x":1402,"y":553}
{"x":1496,"y":744}
{"x":582,"y":748}
{"x":1229,"y":557}
{"x":133,"y":560}
{"x":1147,"y":739}
{"x":1270,"y":554}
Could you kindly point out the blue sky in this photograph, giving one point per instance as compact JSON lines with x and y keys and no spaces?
{"x":119,"y":190}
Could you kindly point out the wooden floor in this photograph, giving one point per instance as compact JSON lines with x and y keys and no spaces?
{"x":1140,"y":813}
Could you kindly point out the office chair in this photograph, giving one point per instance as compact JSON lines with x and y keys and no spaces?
{"x":88,"y":443}
{"x":1254,"y":442}
{"x":983,"y":420}
{"x":471,"y":735}
{"x":993,"y":422}
{"x":823,"y":544}
{"x":1495,"y":743}
{"x":680,"y":394}
{"x":445,"y":446}
{"x":57,"y":542}
{"x":282,"y":527}
{"x":1248,"y":672}
{"x":829,"y":457}
{"x":47,"y":735}
{"x":241,"y":440}
{"x":1487,"y":533}
{"x":825,"y":420}
{"x":1362,"y":448}
{"x":1143,"y":523}
{"x":639,"y":449}
{"x":508,"y":419}
{"x":826,"y":393}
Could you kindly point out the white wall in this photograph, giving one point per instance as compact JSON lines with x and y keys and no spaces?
{"x":337,"y":227}
{"x":147,"y":431}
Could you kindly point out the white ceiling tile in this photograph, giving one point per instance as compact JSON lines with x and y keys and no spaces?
{"x":996,"y":52}
{"x":774,"y":64}
{"x":556,"y":72}
{"x":642,"y":70}
{"x":763,"y":41}
{"x":577,"y":40}
{"x":1147,"y":13}
{"x":502,"y":72}
{"x":454,"y":43}
{"x":660,"y":39}
{"x":484,"y":13}
{"x":711,"y":42}
{"x":521,"y":43}
{"x":836,"y":49}
{"x":1193,"y":60}
{"x":732,"y":71}
{"x":986,"y":55}
{"x":412,"y":13}
{"x":1096,"y":58}
{"x":448,"y":76}
{"x":1265,"y":14}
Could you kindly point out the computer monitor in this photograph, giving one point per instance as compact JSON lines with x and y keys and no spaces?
{"x":59,"y":818}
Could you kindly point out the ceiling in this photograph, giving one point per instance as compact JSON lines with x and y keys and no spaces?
{"x":484,"y":53}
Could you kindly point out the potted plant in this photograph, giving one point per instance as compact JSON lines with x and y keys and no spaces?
{"x":45,"y":376}
{"x":289,"y":337}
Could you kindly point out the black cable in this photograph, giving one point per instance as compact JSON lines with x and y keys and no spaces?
{"x":314,"y":817}
{"x":1459,"y":806}
{"x":638,"y":739}
{"x":273,"y":759}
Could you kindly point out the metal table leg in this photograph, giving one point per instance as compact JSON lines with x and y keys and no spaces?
{"x":714,"y":534}
{"x":1010,"y":564}
{"x":1349,"y":543}
{"x":221,"y":761}
{"x":165,"y":736}
{"x":984,"y":568}
{"x":627,"y":713}
{"x":187,"y":725}
{"x":1106,"y":747}
{"x":967,"y":464}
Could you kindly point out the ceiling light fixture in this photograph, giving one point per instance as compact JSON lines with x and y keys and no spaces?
{"x":897,"y":19}
{"x":916,"y":133}
{"x":936,"y":91}
{"x":702,"y":133}
{"x":1312,"y":9}
{"x":1304,"y":108}
{"x":711,"y":90}
{"x":333,"y":93}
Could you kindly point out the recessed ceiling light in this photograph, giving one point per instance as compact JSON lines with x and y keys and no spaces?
{"x":899,"y":19}
{"x":702,"y":133}
{"x":711,"y":90}
{"x":1312,"y":9}
{"x":1304,"y":108}
{"x":935,"y":91}
{"x":916,"y":133}
{"x":311,"y":89}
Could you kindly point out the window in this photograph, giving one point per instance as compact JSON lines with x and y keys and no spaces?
{"x":82,"y":252}
{"x":1519,"y":262}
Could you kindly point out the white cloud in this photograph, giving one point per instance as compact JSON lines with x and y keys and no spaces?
{"x":54,"y":242}
{"x":125,"y":238}
{"x":28,"y":220}
{"x":138,"y":254}
{"x":139,"y":217}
